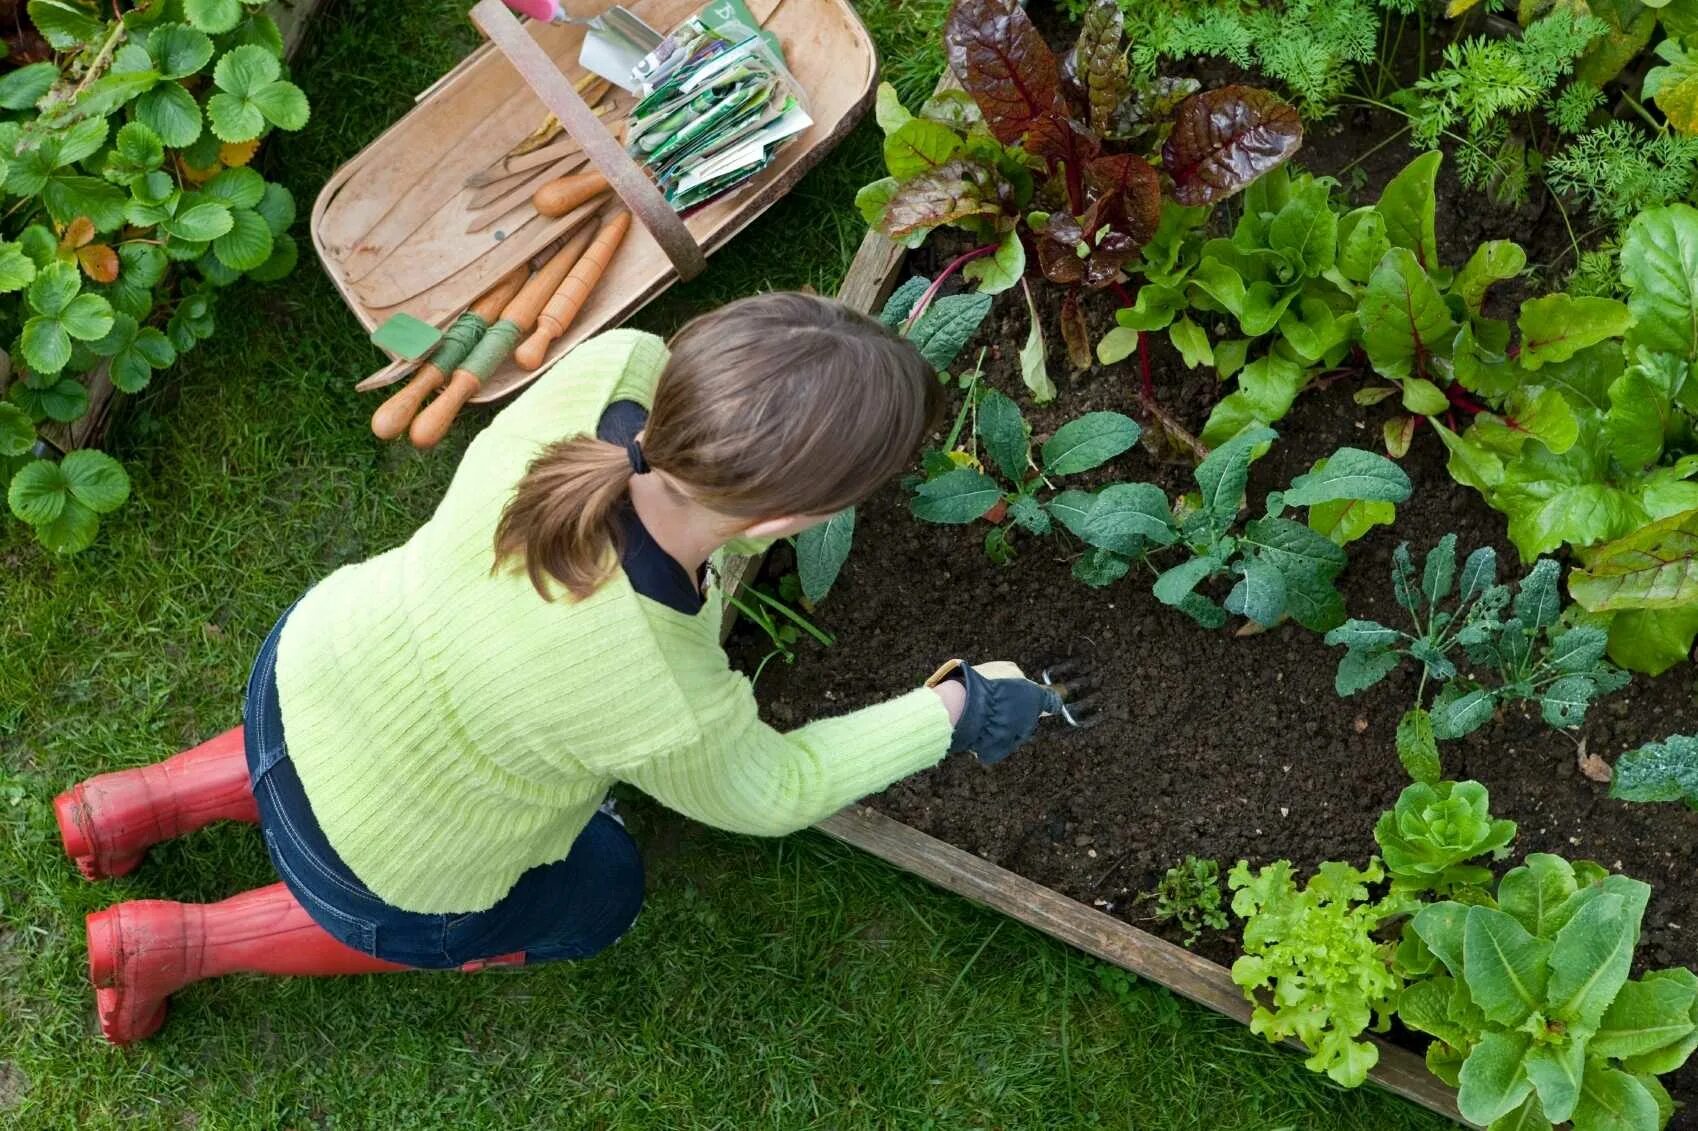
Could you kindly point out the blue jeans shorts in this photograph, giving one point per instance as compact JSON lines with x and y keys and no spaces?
{"x":571,"y":908}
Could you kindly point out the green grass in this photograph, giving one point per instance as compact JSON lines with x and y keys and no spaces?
{"x":768,"y":983}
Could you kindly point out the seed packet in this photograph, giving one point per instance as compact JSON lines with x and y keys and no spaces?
{"x":717,"y":101}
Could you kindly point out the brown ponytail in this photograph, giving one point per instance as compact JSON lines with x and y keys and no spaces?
{"x":780,"y":404}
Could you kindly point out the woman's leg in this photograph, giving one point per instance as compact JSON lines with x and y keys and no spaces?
{"x":570,"y":909}
{"x":108,"y":822}
{"x":143,"y":951}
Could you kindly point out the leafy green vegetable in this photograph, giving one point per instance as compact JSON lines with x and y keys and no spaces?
{"x":1534,"y":657}
{"x":1312,"y":966}
{"x":1433,"y":830}
{"x":1189,"y":896}
{"x":1659,"y":771}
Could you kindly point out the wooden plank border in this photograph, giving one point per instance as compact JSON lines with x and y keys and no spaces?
{"x":89,"y":429}
{"x":870,"y":278}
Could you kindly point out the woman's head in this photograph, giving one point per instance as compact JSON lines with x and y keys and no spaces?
{"x":772,"y":411}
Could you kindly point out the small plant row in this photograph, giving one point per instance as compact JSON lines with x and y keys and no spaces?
{"x":1524,"y":986}
{"x":130,"y":200}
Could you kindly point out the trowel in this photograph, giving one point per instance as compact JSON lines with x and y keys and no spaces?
{"x":614,"y":42}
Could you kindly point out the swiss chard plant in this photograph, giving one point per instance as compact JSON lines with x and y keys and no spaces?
{"x":1535,"y":1018}
{"x":1048,"y":161}
{"x":1277,"y":567}
{"x":1659,"y":771}
{"x":1596,"y":447}
{"x":1429,"y":838}
{"x":1189,"y":896}
{"x":125,"y":164}
{"x":1487,"y":647}
{"x":1315,"y":966}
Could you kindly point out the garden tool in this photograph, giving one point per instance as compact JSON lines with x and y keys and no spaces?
{"x":614,"y":42}
{"x":393,"y":415}
{"x":1070,"y":680}
{"x":108,"y":822}
{"x":563,"y":307}
{"x":142,"y":951}
{"x":496,"y":345}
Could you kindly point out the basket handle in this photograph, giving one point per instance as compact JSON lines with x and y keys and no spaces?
{"x":626,"y":178}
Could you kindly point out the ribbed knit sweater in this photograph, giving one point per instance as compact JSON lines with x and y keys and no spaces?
{"x":452,"y":729}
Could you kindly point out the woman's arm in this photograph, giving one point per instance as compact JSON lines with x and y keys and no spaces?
{"x":747,"y":777}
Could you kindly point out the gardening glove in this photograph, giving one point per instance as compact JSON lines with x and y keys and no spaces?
{"x":1003,"y":706}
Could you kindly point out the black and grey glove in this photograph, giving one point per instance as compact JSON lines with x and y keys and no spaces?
{"x":1002,"y":708}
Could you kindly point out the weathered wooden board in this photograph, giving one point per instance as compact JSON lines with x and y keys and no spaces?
{"x":88,"y":430}
{"x":871,"y":277}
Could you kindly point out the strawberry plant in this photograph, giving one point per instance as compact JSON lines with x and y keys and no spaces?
{"x":1048,"y":161}
{"x":1534,"y":656}
{"x":125,"y":159}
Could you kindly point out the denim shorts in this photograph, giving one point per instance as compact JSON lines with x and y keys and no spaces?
{"x":571,"y":908}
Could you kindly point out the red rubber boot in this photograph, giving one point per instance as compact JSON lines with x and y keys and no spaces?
{"x":143,"y":951}
{"x":109,"y":821}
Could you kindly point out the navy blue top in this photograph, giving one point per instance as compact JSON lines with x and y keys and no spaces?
{"x":653,"y":572}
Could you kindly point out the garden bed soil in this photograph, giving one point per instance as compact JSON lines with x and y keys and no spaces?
{"x":1212,"y":744}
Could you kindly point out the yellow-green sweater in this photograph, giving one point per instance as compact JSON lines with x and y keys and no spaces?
{"x":453,"y":729}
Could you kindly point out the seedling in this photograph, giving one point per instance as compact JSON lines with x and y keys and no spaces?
{"x":1533,"y":655}
{"x":779,"y":621}
{"x":1189,"y":895}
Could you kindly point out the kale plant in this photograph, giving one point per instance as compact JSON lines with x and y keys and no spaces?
{"x":1659,"y":771}
{"x":1313,"y":964}
{"x":1189,"y":896}
{"x":1534,"y":1016}
{"x":1280,"y":567}
{"x":1534,"y":657}
{"x":1432,"y":832}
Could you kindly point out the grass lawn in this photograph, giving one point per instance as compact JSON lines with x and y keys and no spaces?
{"x":768,"y":983}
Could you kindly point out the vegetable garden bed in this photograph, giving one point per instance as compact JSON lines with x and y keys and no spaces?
{"x":1226,"y":745}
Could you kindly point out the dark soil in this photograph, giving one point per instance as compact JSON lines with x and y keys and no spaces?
{"x":1222,"y":746}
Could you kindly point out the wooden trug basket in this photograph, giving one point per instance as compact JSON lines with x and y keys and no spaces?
{"x":389,"y":220}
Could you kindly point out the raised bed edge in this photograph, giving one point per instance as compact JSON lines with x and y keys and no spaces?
{"x":86,"y":431}
{"x":868,"y":282}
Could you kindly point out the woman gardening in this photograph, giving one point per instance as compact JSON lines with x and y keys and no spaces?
{"x":429,"y":736}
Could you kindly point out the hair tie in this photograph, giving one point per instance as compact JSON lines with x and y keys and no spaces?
{"x":634,"y":453}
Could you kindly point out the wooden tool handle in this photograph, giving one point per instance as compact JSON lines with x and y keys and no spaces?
{"x":393,"y":415}
{"x":561,"y":195}
{"x":536,"y":292}
{"x":569,"y":299}
{"x":431,"y":425}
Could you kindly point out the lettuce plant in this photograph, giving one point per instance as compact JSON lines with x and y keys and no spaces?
{"x":1534,"y":657}
{"x":1048,"y":159}
{"x":1659,"y":771}
{"x":1313,"y":965}
{"x":1432,"y":832}
{"x":1534,"y":1016}
{"x":125,"y":164}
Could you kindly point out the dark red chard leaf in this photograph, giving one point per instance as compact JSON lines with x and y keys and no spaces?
{"x":1075,"y":333}
{"x":1060,"y":139}
{"x":1145,"y":116}
{"x":1127,"y":191}
{"x":1095,"y":72}
{"x":947,"y":194}
{"x":1004,"y":64}
{"x":1224,"y":139}
{"x":1058,"y":250}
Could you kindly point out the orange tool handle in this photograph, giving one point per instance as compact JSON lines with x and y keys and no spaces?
{"x":561,"y":195}
{"x":432,"y":424}
{"x":574,"y":292}
{"x":393,"y":415}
